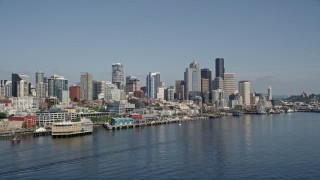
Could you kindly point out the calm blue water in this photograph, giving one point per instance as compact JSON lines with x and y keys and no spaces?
{"x":285,"y":146}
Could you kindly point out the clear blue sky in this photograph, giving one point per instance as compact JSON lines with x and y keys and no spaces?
{"x":274,"y":42}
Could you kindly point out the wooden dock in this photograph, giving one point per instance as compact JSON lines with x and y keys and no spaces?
{"x":5,"y":135}
{"x":151,"y":123}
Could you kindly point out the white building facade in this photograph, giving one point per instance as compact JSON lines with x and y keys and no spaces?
{"x":244,"y":92}
{"x":24,"y":103}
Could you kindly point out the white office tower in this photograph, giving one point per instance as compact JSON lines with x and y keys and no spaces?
{"x":160,"y":93}
{"x":112,"y":93}
{"x":269,"y":97}
{"x":244,"y":91}
{"x":220,"y":98}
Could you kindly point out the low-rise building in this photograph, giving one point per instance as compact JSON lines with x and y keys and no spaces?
{"x":46,"y":118}
{"x":29,"y":120}
{"x":136,"y":116}
{"x":122,"y":121}
{"x":69,"y":129}
{"x":24,"y":103}
{"x":10,"y":125}
{"x":116,"y":108}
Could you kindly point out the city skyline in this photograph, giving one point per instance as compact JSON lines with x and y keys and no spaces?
{"x":267,"y":43}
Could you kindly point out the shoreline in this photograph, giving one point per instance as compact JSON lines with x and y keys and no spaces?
{"x":5,"y":134}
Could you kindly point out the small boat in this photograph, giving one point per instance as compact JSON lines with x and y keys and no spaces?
{"x":237,"y":113}
{"x":289,"y":111}
{"x":16,"y":138}
{"x":317,"y":110}
{"x":214,"y":116}
{"x":41,"y":129}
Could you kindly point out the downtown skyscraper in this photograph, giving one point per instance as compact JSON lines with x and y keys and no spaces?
{"x":58,"y":87}
{"x":153,"y":83}
{"x":41,"y":86}
{"x":218,"y":83}
{"x":229,"y":81}
{"x":179,"y":89}
{"x":117,"y":75}
{"x":206,"y":80}
{"x":192,"y":79}
{"x":5,"y":88}
{"x":20,"y":85}
{"x":244,"y":92}
{"x":86,"y":83}
{"x":220,"y":67}
{"x":132,"y":84}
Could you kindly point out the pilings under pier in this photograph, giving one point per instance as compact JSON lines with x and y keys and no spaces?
{"x":68,"y":135}
{"x":45,"y":133}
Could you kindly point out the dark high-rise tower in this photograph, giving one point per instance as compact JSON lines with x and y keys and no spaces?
{"x":206,"y":74}
{"x":219,"y":67}
{"x":20,"y":85}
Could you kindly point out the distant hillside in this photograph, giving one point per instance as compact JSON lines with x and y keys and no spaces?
{"x":306,"y":99}
{"x":279,"y":97}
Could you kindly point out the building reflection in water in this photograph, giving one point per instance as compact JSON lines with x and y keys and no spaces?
{"x":247,"y":132}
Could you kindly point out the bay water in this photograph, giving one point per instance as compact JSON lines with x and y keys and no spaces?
{"x":279,"y":146}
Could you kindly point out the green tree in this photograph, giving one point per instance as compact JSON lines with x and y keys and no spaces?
{"x":24,"y":125}
{"x":3,"y":115}
{"x":76,"y":120}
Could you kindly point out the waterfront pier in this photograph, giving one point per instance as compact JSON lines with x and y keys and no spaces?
{"x":152,"y":123}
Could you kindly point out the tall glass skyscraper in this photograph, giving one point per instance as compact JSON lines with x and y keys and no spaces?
{"x":117,"y":75}
{"x":192,"y":79}
{"x":153,"y":83}
{"x":40,"y":85}
{"x":220,"y":67}
{"x":58,"y":87}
